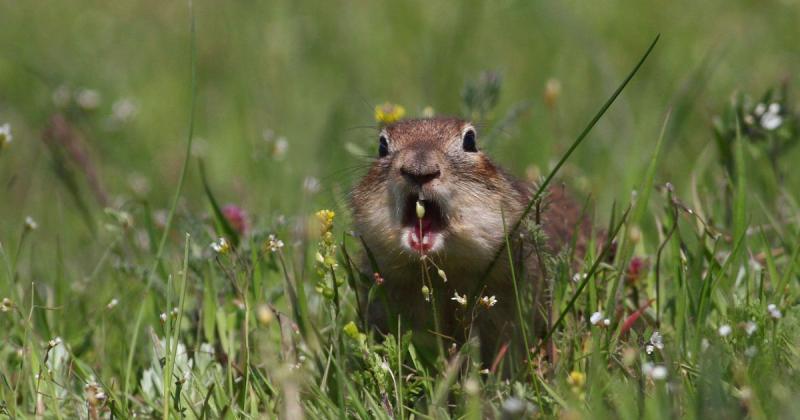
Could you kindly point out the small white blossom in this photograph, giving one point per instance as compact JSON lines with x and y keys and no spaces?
{"x":751,"y":351}
{"x":488,"y":301}
{"x":657,"y":340}
{"x":54,"y":342}
{"x":462,"y":300}
{"x":649,"y":348}
{"x":124,"y":110}
{"x":771,"y":119}
{"x":311,"y":185}
{"x":596,"y":318}
{"x":274,"y":244}
{"x":656,"y":372}
{"x":5,"y":135}
{"x":606,"y":322}
{"x":577,"y":277}
{"x":750,"y":327}
{"x":6,"y":305}
{"x":163,"y":317}
{"x":114,"y":302}
{"x":280,"y":147}
{"x":30,"y":223}
{"x":61,"y":96}
{"x":88,"y":99}
{"x":725,"y":330}
{"x":774,"y":311}
{"x":221,"y":246}
{"x":760,"y":109}
{"x":659,"y":373}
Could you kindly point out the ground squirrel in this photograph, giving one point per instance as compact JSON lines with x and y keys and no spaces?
{"x":432,"y":210}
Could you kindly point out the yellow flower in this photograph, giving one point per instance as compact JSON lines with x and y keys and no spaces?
{"x":325,"y":218}
{"x":577,"y":379}
{"x":389,"y":113}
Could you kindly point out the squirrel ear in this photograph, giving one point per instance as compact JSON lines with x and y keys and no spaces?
{"x":468,"y":141}
{"x":383,"y":147}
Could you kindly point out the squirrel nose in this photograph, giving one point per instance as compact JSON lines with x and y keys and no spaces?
{"x":420,"y":175}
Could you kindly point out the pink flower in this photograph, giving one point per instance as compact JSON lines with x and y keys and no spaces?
{"x":236,"y":217}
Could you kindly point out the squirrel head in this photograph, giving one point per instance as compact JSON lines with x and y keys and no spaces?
{"x":431,"y":190}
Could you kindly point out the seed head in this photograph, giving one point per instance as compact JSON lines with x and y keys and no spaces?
{"x":420,"y":210}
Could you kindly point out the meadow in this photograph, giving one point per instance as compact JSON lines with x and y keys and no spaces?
{"x":175,"y":235}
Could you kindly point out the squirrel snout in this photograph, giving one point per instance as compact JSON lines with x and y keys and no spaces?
{"x":420,"y":174}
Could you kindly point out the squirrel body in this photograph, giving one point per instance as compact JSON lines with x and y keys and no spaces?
{"x":433,"y":210}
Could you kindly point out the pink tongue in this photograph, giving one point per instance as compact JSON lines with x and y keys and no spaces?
{"x":422,"y":226}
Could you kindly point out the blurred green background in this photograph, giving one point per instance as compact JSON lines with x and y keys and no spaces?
{"x":310,"y":73}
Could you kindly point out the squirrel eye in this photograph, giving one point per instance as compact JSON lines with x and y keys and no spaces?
{"x":383,"y":148}
{"x":469,"y":141}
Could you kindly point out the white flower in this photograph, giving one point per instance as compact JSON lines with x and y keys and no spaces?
{"x":124,"y":110}
{"x":6,"y":305}
{"x":61,"y":96}
{"x":221,"y":246}
{"x":114,"y":302}
{"x":657,"y":341}
{"x":311,"y":185}
{"x":30,"y":224}
{"x":771,"y":119}
{"x":5,"y":135}
{"x":751,"y":351}
{"x":462,"y":300}
{"x":488,"y":301}
{"x":280,"y":147}
{"x":760,"y":109}
{"x":774,"y":311}
{"x":54,"y":342}
{"x":274,"y":244}
{"x":577,"y":277}
{"x":88,"y":99}
{"x":659,"y":373}
{"x":649,"y":348}
{"x":656,"y":372}
{"x":606,"y":322}
{"x":750,"y":327}
{"x":596,"y":318}
{"x":725,"y":330}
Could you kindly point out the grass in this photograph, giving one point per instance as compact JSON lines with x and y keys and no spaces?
{"x":116,"y":304}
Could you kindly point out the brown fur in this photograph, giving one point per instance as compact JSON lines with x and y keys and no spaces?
{"x":475,"y":195}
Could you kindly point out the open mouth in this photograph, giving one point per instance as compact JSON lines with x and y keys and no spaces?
{"x":423,"y":234}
